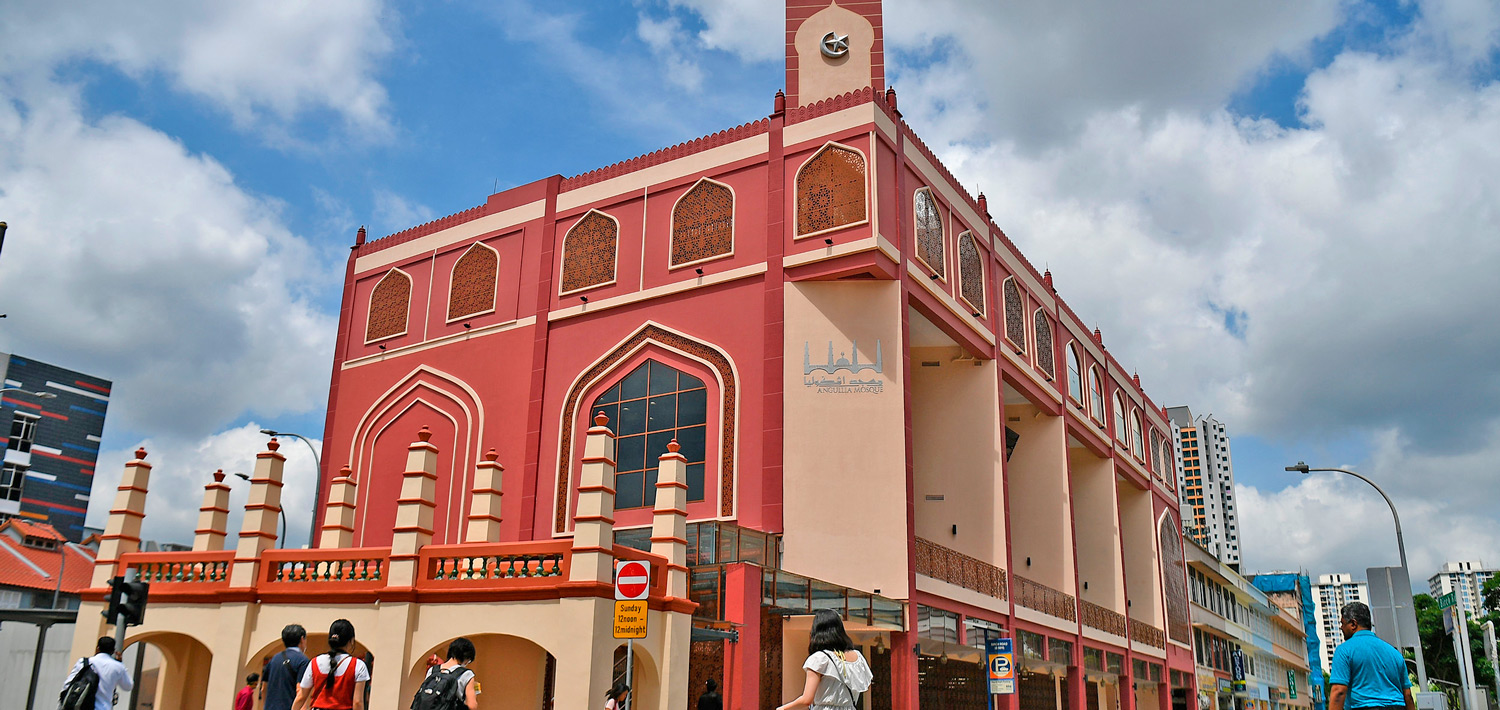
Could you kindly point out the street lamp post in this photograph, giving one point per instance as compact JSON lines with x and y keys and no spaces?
{"x":38,"y":395}
{"x":1303,"y":468}
{"x":312,"y":532}
{"x":281,"y":513}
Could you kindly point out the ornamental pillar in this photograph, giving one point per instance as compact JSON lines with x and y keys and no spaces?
{"x":669,"y":542}
{"x":262,"y":515}
{"x":414,"y":509}
{"x":213,"y":516}
{"x":338,"y":520}
{"x":122,"y":532}
{"x":594,"y":522}
{"x":484,"y":509}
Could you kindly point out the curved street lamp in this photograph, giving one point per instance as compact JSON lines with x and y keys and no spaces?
{"x":38,"y":394}
{"x":1304,"y":469}
{"x":312,"y":532}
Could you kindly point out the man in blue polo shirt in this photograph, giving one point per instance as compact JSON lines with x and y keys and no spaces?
{"x":284,"y":671}
{"x":1367,"y":672}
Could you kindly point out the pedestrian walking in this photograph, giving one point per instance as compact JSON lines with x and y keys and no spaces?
{"x":245,"y":699}
{"x":617,"y":697}
{"x":450,"y":685}
{"x":836,"y":672}
{"x":112,"y":676}
{"x":284,"y":671}
{"x":334,"y":680}
{"x":710,"y":699}
{"x":1367,"y":672}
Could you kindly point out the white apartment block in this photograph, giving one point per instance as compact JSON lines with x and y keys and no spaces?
{"x":1466,"y":580}
{"x":1330,"y":593}
{"x":1205,"y":484}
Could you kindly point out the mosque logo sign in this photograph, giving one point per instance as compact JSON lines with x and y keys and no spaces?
{"x":829,"y":377}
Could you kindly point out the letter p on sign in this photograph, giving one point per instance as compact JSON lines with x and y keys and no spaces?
{"x":632,"y":580}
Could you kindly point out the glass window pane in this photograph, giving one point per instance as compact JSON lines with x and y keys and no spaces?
{"x":688,"y":382}
{"x":691,"y":440}
{"x":1033,"y":645}
{"x":650,"y":485}
{"x":634,"y":384}
{"x":695,"y":481}
{"x":630,"y":453}
{"x":692,"y":408}
{"x":628,"y":492}
{"x":656,"y":445}
{"x":612,"y":395}
{"x":663,"y":378}
{"x":632,"y":417}
{"x":663,"y":412}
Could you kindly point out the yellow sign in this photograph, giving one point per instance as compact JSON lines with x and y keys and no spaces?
{"x":630,"y":619}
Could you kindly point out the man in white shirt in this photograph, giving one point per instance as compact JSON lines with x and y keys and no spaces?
{"x":112,"y":674}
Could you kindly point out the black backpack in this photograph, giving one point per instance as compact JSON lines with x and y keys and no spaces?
{"x":79,"y":693}
{"x":440,"y":691}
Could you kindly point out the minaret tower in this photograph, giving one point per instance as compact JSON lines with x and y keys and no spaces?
{"x":833,"y":47}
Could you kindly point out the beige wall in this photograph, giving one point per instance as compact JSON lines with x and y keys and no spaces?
{"x":956,"y":449}
{"x":1038,"y":478}
{"x":1097,"y":521}
{"x":1138,"y":527}
{"x":819,"y":77}
{"x":844,"y":475}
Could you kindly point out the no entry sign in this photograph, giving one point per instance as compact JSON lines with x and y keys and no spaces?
{"x":632,"y":579}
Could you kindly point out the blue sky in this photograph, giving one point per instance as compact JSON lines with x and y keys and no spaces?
{"x":1231,"y":192}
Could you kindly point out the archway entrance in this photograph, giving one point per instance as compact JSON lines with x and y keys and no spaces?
{"x":174,"y":671}
{"x":513,"y":673}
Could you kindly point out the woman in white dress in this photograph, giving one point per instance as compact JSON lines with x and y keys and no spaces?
{"x":836,"y":672}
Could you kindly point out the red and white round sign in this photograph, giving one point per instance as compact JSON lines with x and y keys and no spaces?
{"x":632,"y":579}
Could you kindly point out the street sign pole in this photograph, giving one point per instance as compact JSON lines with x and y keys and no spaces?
{"x":629,"y":666}
{"x":1465,"y":656}
{"x":1489,"y":652}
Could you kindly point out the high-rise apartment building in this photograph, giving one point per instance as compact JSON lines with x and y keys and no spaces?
{"x":1293,"y":592}
{"x":1466,"y":581}
{"x":1206,"y":484}
{"x":56,"y":417}
{"x":1330,"y":594}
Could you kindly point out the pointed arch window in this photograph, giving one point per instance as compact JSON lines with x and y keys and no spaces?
{"x":703,"y":223}
{"x":1044,"y":360}
{"x":971,"y":272}
{"x":390,"y":301}
{"x":648,"y":408}
{"x":1075,"y":374}
{"x":471,"y":289}
{"x":589,"y":252}
{"x":830,"y":190}
{"x":1015,"y":315}
{"x":1137,"y":446}
{"x":1096,"y":395}
{"x":929,"y":221}
{"x":1174,"y":579}
{"x":1121,"y":434}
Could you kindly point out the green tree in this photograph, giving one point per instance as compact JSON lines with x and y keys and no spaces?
{"x":1437,"y":646}
{"x":1490,"y":598}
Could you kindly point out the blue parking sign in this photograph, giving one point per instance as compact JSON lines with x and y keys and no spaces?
{"x":1000,"y":658}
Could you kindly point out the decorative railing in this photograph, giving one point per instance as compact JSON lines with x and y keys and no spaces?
{"x":1101,"y":618}
{"x":1147,"y":634}
{"x":1042,"y":598}
{"x":953,"y":567}
{"x":167,"y":570}
{"x":494,"y":565}
{"x":349,"y":569}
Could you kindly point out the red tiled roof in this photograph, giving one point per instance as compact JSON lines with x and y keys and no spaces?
{"x":30,"y":529}
{"x":16,"y":572}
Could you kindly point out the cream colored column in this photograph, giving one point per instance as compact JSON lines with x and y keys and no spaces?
{"x":669,"y":541}
{"x":213,"y":516}
{"x":594,"y":522}
{"x":338,"y":521}
{"x":122,"y":535}
{"x":484,"y":511}
{"x":414,"y":510}
{"x":262,"y":514}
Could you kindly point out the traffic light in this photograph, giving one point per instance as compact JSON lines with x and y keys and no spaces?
{"x":127,"y":602}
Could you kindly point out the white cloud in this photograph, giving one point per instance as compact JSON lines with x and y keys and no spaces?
{"x":130,"y":258}
{"x":266,"y":64}
{"x":752,"y":29}
{"x":393,"y":213}
{"x":182,"y":467}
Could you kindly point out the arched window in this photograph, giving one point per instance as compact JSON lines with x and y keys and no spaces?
{"x":1137,"y":446}
{"x":1044,"y":360}
{"x":650,"y":407}
{"x":929,"y":221}
{"x":703,"y":223}
{"x":830,"y":190}
{"x":589,"y":252}
{"x":1015,"y":314}
{"x":1120,"y":432}
{"x":1096,"y":395}
{"x":1168,"y":462}
{"x":970,"y":272}
{"x":389,"y":303}
{"x":471,"y":289}
{"x":1174,"y":579}
{"x":1075,"y":374}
